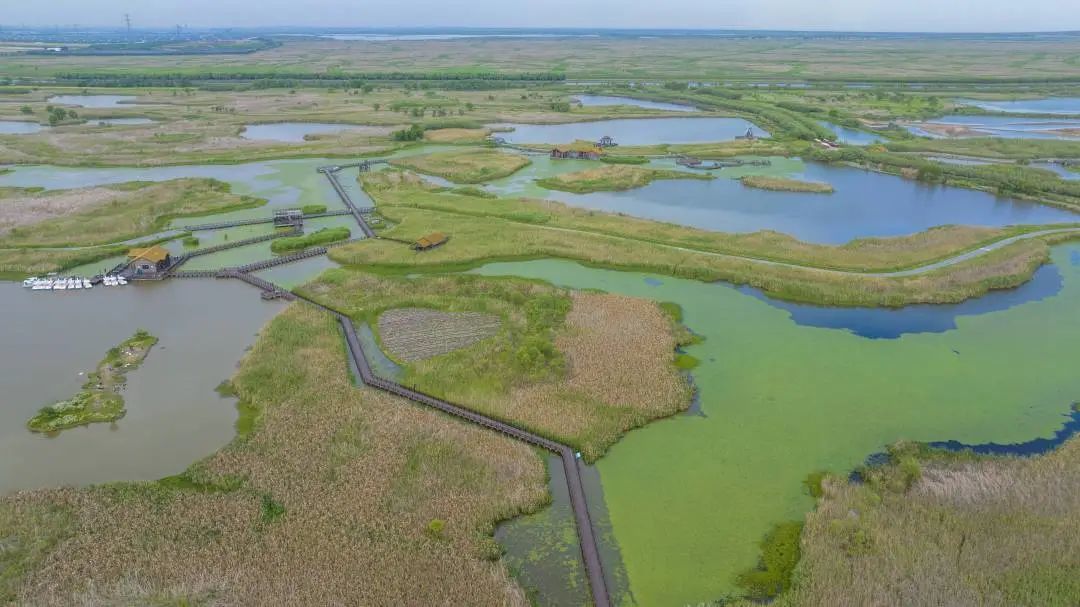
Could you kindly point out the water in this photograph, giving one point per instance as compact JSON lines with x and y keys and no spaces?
{"x":851,"y":136}
{"x":1046,"y":105}
{"x":174,"y":416}
{"x":690,"y":497}
{"x":1062,"y":171}
{"x":93,"y":101}
{"x":601,"y":100}
{"x":1000,"y":126}
{"x":19,"y":127}
{"x":296,"y":132}
{"x":634,"y":131}
{"x":865,"y":204}
{"x":892,"y":323}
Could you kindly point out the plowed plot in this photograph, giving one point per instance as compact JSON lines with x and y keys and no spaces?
{"x":412,"y":334}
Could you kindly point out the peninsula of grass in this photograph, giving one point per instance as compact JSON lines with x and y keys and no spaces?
{"x":99,"y":400}
{"x":465,"y":166}
{"x":102,"y":215}
{"x":292,"y":244}
{"x":973,"y":530}
{"x":488,"y":230}
{"x":784,"y":184}
{"x":562,"y":364}
{"x":612,"y":178}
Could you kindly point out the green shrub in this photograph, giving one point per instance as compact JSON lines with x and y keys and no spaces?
{"x":780,"y":553}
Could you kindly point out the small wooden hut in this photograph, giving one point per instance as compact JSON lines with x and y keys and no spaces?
{"x":289,"y":218}
{"x":150,"y":260}
{"x":579,"y":150}
{"x":430,"y":241}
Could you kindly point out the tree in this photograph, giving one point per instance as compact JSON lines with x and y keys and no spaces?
{"x":376,"y":106}
{"x":413,"y":133}
{"x":26,"y":109}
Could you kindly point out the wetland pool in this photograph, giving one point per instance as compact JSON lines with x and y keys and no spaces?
{"x":1045,"y":105}
{"x":19,"y":127}
{"x":93,"y":101}
{"x":1007,"y":127}
{"x":607,"y":100}
{"x":633,"y":131}
{"x":690,"y":497}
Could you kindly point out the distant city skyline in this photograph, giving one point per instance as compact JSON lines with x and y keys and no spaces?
{"x":932,"y":16}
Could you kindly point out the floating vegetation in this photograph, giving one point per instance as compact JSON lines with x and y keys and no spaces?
{"x":99,"y":400}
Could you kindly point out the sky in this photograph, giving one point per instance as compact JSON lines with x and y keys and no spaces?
{"x":847,"y":15}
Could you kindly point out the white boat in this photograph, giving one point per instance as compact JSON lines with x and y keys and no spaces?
{"x":29,"y":282}
{"x":87,"y":284}
{"x":75,"y":283}
{"x":121,"y":280}
{"x":109,"y":281}
{"x":59,"y":285}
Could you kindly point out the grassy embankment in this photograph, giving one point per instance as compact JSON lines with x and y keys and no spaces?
{"x":99,"y":400}
{"x":48,"y":231}
{"x":581,"y":369}
{"x":332,"y":493}
{"x":929,"y":528}
{"x":783,"y":184}
{"x":485,"y":230}
{"x":465,"y":166}
{"x":612,"y":178}
{"x":292,"y":244}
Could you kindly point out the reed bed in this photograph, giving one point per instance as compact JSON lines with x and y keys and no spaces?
{"x":784,"y":184}
{"x":954,"y":530}
{"x":330,"y":499}
{"x":579,"y":368}
{"x":613,"y":177}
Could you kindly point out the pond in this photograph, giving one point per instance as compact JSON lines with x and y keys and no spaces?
{"x":1045,"y":105}
{"x":602,"y":100}
{"x":297,"y":132}
{"x":689,"y":498}
{"x":93,"y":101}
{"x":19,"y":127}
{"x":634,"y":131}
{"x":851,"y":136}
{"x":865,"y":204}
{"x":997,"y":126}
{"x":174,"y":416}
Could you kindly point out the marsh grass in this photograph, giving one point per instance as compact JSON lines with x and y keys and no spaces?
{"x":933,"y":528}
{"x":466,"y":165}
{"x":783,"y":184}
{"x":291,"y":244}
{"x":613,"y":177}
{"x":108,"y":214}
{"x":580,"y":368}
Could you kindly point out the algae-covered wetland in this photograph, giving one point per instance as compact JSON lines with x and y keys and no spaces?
{"x":545,"y":319}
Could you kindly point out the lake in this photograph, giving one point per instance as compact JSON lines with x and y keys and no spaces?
{"x":633,"y":131}
{"x":1045,"y":105}
{"x":19,"y":127}
{"x":865,"y":204}
{"x":997,"y":126}
{"x":93,"y":101}
{"x":296,"y":132}
{"x":602,"y":100}
{"x":174,"y":416}
{"x":690,"y":497}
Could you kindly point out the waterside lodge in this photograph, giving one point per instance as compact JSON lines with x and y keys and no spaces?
{"x":149,"y":261}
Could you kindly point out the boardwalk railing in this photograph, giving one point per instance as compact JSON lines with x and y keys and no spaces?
{"x":284,"y":259}
{"x":249,"y":222}
{"x":355,"y":210}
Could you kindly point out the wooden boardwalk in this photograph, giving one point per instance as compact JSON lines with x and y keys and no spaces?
{"x":331,"y":174}
{"x":250,"y":222}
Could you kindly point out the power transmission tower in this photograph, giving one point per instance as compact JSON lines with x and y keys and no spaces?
{"x":127,"y":22}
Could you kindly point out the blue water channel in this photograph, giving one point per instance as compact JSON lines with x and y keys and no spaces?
{"x":1046,"y":105}
{"x":634,"y":131}
{"x":1007,"y":127}
{"x":604,"y":100}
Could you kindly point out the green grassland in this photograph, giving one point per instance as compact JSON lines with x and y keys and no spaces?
{"x":613,"y":177}
{"x":291,"y":244}
{"x":782,"y":184}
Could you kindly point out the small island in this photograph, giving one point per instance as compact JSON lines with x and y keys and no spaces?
{"x":612,"y":178}
{"x":99,"y":400}
{"x":784,"y":184}
{"x":292,"y":244}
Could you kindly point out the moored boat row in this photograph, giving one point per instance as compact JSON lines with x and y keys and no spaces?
{"x":65,"y":283}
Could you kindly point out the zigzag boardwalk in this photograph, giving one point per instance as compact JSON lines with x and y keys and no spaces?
{"x":239,"y":243}
{"x":590,"y":551}
{"x":284,"y":259}
{"x":355,"y":210}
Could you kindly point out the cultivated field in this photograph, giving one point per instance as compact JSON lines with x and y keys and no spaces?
{"x":412,"y":334}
